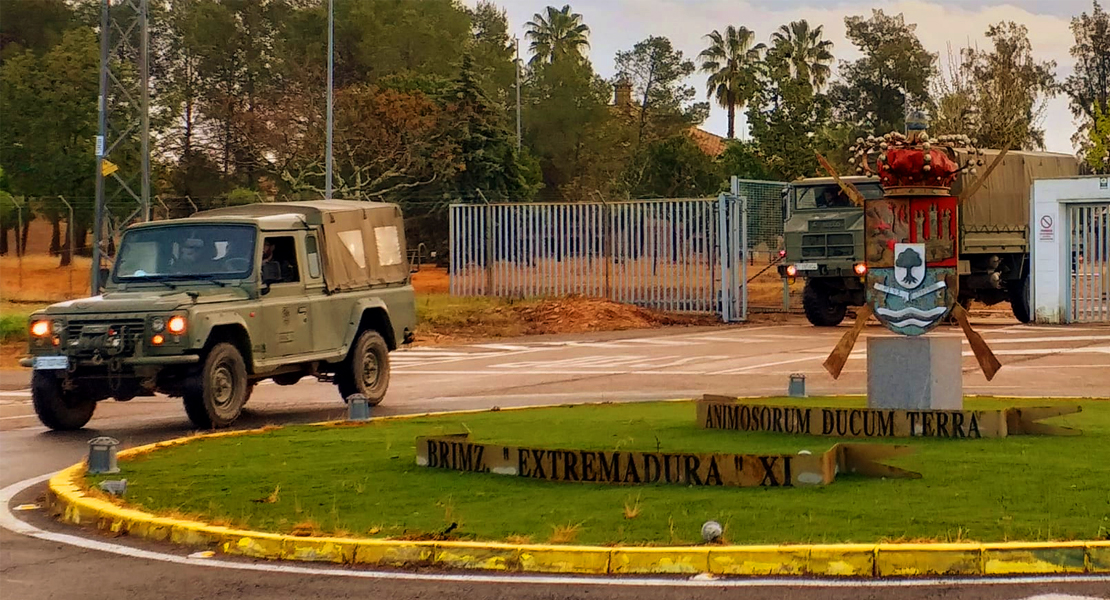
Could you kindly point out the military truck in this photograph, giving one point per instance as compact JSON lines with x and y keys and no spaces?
{"x":823,"y":235}
{"x":205,"y":307}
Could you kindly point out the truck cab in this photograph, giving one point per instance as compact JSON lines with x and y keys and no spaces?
{"x":823,"y":234}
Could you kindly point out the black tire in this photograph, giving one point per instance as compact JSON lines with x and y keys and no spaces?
{"x":1019,"y":301}
{"x":366,"y":369}
{"x":215,"y":396}
{"x":820,"y":310}
{"x":58,"y":409}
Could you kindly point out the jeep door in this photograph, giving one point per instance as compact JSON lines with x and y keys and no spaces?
{"x":286,"y":313}
{"x":331,"y":311}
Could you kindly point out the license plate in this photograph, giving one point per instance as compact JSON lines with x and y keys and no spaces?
{"x":44,"y":363}
{"x":806,"y":266}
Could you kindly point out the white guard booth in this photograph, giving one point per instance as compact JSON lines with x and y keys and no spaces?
{"x":1070,"y":247}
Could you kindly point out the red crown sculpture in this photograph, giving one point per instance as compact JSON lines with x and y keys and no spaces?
{"x":916,"y":164}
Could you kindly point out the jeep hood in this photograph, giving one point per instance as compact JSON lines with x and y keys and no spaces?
{"x":143,"y":301}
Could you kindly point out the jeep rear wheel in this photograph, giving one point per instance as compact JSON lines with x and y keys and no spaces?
{"x":820,"y":309}
{"x":58,"y":409}
{"x":366,"y":370}
{"x":215,"y":396}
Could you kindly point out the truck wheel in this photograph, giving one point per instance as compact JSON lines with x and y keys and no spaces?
{"x":1019,"y":301}
{"x":58,"y":409}
{"x":215,"y":396}
{"x":820,"y":310}
{"x":366,"y":370}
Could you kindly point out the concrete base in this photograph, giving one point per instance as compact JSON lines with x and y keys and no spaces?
{"x":914,"y":373}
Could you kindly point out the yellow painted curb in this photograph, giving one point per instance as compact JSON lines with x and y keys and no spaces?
{"x":68,"y":501}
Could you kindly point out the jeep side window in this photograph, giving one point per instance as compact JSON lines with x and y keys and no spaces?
{"x":313,"y":256}
{"x":283,"y":251}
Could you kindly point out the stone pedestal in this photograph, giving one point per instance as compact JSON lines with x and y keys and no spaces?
{"x":914,"y":373}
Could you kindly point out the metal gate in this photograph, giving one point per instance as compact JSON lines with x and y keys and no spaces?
{"x":1088,"y":232}
{"x":677,"y":255}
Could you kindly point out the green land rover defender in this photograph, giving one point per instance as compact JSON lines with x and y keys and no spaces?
{"x":205,"y":307}
{"x":824,"y":234}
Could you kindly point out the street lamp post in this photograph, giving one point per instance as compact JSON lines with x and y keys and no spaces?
{"x":516,"y":62}
{"x":331,"y":65}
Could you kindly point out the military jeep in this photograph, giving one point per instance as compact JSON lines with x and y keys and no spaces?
{"x":205,"y":307}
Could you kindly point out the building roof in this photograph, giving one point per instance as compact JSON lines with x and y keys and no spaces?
{"x":710,"y":143}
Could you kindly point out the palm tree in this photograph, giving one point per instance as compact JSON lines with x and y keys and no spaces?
{"x":558,"y":34}
{"x":808,"y":54}
{"x":731,"y":61}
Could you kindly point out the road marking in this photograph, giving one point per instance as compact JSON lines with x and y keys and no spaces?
{"x":766,"y":364}
{"x":18,"y":394}
{"x":16,"y":417}
{"x":10,"y":522}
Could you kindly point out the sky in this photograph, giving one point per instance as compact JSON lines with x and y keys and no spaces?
{"x":941,"y":24}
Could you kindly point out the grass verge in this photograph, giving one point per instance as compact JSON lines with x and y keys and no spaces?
{"x":363,"y":481}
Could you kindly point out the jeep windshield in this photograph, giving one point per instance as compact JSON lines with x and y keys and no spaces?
{"x":185,"y":252}
{"x":819,"y":197}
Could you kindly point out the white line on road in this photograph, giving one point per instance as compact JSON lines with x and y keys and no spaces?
{"x":11,"y":523}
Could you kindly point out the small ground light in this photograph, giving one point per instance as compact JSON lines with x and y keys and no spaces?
{"x":358,"y":408}
{"x":102,"y":455}
{"x":797,"y":387}
{"x":711,"y":531}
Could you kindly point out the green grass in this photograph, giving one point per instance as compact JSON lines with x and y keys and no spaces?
{"x":13,"y":322}
{"x":363,"y":481}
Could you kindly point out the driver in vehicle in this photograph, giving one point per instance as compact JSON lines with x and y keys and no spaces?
{"x":191,"y":259}
{"x":285,"y":268}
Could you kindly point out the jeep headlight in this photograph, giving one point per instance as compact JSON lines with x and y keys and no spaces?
{"x":177,"y":325}
{"x":40,"y":328}
{"x":158,"y":324}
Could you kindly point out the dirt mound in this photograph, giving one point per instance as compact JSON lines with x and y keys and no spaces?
{"x":464,"y":320}
{"x":578,"y":314}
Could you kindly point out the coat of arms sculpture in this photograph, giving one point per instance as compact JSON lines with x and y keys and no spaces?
{"x":911,"y":233}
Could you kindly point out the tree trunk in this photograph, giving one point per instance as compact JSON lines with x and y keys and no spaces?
{"x":55,"y":235}
{"x":4,"y":240}
{"x":731,"y":120}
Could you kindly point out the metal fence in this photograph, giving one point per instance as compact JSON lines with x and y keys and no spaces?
{"x":674,"y":255}
{"x":1088,"y":232}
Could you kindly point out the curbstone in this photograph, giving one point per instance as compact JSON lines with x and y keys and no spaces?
{"x":627,"y":561}
{"x":916,"y":560}
{"x":842,"y":560}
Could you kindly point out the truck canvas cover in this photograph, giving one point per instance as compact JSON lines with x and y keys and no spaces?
{"x":1003,"y":201}
{"x":363,"y":242}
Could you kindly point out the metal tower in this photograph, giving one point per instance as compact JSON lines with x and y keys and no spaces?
{"x":123,"y":140}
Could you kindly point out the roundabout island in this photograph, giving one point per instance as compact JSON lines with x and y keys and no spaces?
{"x":630,"y":488}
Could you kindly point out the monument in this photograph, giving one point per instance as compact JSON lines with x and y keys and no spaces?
{"x":911,"y":243}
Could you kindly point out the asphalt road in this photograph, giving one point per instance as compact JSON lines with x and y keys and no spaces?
{"x":675,"y":363}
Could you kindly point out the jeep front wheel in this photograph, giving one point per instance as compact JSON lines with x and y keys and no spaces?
{"x":58,"y":409}
{"x":215,"y":396}
{"x":820,"y":309}
{"x":366,"y":370}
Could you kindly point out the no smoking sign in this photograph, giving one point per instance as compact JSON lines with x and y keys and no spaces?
{"x":1048,"y":229}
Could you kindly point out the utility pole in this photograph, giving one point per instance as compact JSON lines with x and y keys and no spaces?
{"x":331,"y":66}
{"x":516,"y":61}
{"x":123,"y":107}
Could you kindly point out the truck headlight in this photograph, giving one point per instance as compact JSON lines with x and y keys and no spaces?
{"x":860,"y":269}
{"x":40,"y":328}
{"x":157,"y":324}
{"x":791,"y":270}
{"x":177,"y":325}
